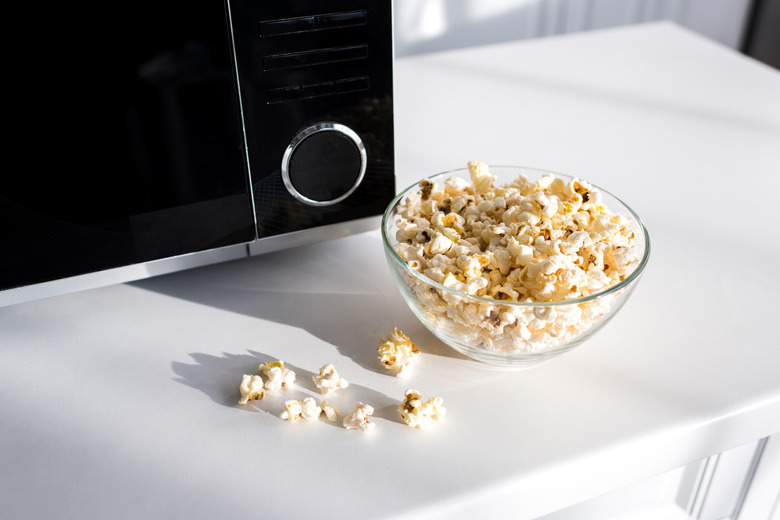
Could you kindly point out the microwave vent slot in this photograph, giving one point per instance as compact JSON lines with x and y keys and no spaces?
{"x":315,"y":57}
{"x":312,"y":23}
{"x":301,"y":66}
{"x":319,"y":89}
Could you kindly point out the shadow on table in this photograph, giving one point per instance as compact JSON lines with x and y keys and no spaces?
{"x":343,"y":295}
{"x":311,"y":288}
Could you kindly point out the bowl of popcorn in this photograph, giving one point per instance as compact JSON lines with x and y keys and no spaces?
{"x":510,"y":265}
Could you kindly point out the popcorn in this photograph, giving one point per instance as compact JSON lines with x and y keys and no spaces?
{"x":251,"y":388}
{"x":418,"y":414}
{"x":398,"y":351}
{"x":308,"y":409}
{"x":277,"y":375}
{"x":439,"y":244}
{"x":328,"y":380}
{"x":330,"y":411}
{"x":293,"y":410}
{"x":480,"y":176}
{"x":546,"y":241}
{"x":358,"y":419}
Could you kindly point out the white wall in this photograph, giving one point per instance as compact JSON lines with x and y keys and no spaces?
{"x":431,"y":25}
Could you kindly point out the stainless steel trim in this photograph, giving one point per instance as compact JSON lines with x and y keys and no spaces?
{"x":144,"y":270}
{"x":122,"y":274}
{"x":325,"y":126}
{"x":317,"y":234}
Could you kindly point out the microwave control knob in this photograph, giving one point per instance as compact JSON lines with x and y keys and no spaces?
{"x":324,"y":164}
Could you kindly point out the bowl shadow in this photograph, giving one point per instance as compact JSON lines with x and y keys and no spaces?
{"x":347,"y":308}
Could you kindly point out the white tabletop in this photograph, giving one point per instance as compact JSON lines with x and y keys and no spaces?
{"x":122,"y":401}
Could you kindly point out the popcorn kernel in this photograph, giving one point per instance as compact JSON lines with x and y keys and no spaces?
{"x":397,"y":351}
{"x":418,"y":414}
{"x":251,"y":388}
{"x":328,"y":380}
{"x":358,"y":419}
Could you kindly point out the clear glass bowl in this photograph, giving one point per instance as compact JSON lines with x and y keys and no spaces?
{"x":475,"y":325}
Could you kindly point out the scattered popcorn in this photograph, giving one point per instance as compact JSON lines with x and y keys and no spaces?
{"x":358,"y":420}
{"x":330,"y":411}
{"x":397,"y":351}
{"x":328,"y":380}
{"x":419,"y":414}
{"x":546,"y":241}
{"x":251,"y":388}
{"x":293,"y":410}
{"x":308,"y":409}
{"x":277,"y":375}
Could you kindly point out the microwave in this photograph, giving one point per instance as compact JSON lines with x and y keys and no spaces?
{"x":156,"y":136}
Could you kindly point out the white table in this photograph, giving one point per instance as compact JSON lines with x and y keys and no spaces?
{"x":121,"y":402}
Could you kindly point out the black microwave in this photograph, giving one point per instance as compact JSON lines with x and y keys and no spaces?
{"x":155,"y":136}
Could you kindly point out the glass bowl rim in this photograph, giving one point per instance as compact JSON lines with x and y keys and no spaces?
{"x":492,"y":301}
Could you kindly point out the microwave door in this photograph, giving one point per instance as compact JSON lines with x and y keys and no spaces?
{"x":128,"y":139}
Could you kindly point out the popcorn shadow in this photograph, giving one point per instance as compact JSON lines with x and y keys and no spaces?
{"x":388,"y":413}
{"x":219,"y":377}
{"x":347,"y":308}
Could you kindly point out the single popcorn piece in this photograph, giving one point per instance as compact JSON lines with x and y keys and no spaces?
{"x":418,"y":414}
{"x":397,"y":351}
{"x":480,"y":176}
{"x":251,"y":388}
{"x":328,"y":380}
{"x":278,"y":376}
{"x":330,"y":411}
{"x":358,"y":419}
{"x":292,"y":410}
{"x":310,"y":410}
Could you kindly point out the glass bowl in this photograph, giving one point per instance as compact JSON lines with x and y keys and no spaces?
{"x":497,"y":329}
